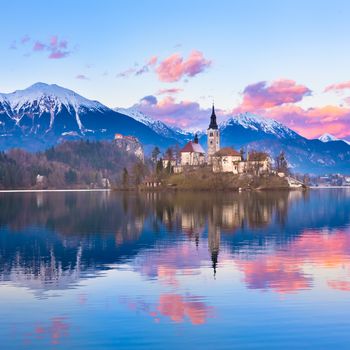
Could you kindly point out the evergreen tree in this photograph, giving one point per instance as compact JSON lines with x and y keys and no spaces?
{"x":125,"y":178}
{"x":70,"y":177}
{"x":155,"y":154}
{"x":159,"y":167}
{"x":281,"y":163}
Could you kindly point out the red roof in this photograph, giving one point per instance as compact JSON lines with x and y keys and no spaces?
{"x":193,"y":147}
{"x":227,"y":151}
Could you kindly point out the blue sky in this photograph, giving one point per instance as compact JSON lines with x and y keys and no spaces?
{"x":241,"y":43}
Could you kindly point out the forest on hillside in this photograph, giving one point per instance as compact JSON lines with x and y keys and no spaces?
{"x":72,"y":164}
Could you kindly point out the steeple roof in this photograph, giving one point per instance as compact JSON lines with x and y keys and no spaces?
{"x":213,"y":124}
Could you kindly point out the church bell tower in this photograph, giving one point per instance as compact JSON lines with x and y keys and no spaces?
{"x":213,"y":135}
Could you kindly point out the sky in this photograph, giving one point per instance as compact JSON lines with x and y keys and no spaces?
{"x":287,"y":60}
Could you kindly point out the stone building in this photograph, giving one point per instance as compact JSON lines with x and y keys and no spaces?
{"x":192,"y":154}
{"x":222,"y":160}
{"x":213,"y":136}
{"x":226,"y":161}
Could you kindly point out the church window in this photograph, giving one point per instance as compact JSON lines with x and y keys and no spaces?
{"x":211,"y":134}
{"x":211,"y":142}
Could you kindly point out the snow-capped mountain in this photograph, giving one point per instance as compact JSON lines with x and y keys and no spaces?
{"x":43,"y":114}
{"x":258,"y":123}
{"x":330,"y":138}
{"x":48,"y":98}
{"x":159,"y":127}
{"x":251,"y":131}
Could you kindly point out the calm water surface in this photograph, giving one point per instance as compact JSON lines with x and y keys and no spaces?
{"x":165,"y":271}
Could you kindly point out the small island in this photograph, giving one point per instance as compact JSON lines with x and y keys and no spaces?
{"x":191,"y":168}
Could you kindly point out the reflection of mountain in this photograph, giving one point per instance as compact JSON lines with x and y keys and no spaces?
{"x":52,"y":240}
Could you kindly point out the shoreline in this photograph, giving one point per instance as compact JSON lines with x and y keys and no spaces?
{"x":59,"y":190}
{"x":327,"y":187}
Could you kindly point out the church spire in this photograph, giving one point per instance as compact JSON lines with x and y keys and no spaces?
{"x":213,"y":124}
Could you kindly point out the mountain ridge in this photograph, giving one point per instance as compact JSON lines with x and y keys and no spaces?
{"x":44,"y":115}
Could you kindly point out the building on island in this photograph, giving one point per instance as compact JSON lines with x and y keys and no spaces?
{"x":226,"y":160}
{"x":221,"y":160}
{"x":213,"y":136}
{"x":166,"y":159}
{"x":258,"y":163}
{"x":192,"y":154}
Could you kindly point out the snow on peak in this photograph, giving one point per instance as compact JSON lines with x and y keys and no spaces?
{"x":155,"y":125}
{"x":137,"y":115}
{"x":329,"y":138}
{"x":47,"y":98}
{"x":259,"y":123}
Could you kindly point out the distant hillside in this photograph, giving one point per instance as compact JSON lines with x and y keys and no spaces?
{"x":71,"y":164}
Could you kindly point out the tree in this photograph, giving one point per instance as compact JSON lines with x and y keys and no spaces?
{"x":169,"y":153}
{"x":70,"y":177}
{"x":241,"y":151}
{"x":138,"y":172}
{"x":155,"y":154}
{"x":177,"y":153}
{"x":159,"y":167}
{"x":281,"y":163}
{"x":169,"y":168}
{"x":125,"y":178}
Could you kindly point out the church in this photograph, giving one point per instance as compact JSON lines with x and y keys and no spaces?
{"x":226,"y":159}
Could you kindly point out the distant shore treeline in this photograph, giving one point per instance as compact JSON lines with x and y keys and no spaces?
{"x":71,"y":164}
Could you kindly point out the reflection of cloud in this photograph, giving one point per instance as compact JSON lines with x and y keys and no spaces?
{"x":274,"y":273}
{"x":340,"y":285}
{"x":53,"y":331}
{"x":283,"y":270}
{"x":175,"y":307}
{"x":170,"y":261}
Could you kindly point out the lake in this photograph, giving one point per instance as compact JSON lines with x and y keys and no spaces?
{"x":104,"y":270}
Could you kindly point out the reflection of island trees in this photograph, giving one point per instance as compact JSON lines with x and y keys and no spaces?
{"x":54,"y":239}
{"x":190,"y":212}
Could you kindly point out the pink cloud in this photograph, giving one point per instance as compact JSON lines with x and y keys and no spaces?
{"x":337,"y":87}
{"x":152,"y":61}
{"x":56,"y":48}
{"x":184,"y":114}
{"x":313,"y":122}
{"x":262,"y":95}
{"x":175,"y":67}
{"x":39,"y":46}
{"x":81,"y":77}
{"x":170,"y":91}
{"x":54,"y":41}
{"x":126,"y":73}
{"x":57,"y":54}
{"x":134,"y":71}
{"x":25,"y":39}
{"x":278,"y":101}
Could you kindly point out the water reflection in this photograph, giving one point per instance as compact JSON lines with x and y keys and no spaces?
{"x":51,"y":241}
